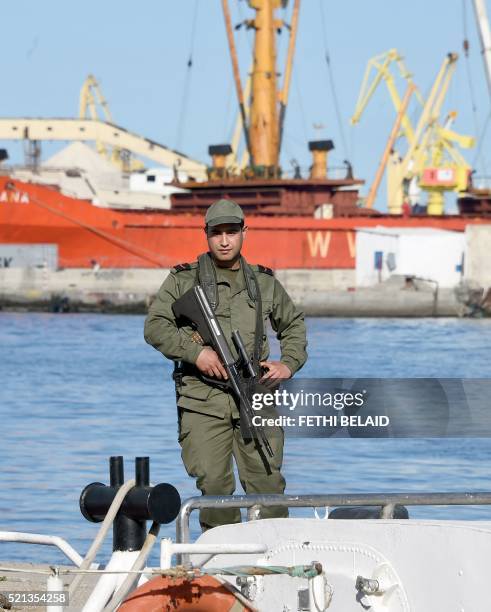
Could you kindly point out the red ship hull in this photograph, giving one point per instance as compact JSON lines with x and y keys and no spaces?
{"x":85,"y":234}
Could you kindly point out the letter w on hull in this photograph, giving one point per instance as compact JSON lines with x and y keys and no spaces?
{"x":319,"y":243}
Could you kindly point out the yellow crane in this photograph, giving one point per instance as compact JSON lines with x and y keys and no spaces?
{"x":91,"y":99}
{"x":379,"y":68}
{"x":432,"y":158}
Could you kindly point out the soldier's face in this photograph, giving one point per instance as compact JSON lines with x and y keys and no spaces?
{"x":225,"y":242}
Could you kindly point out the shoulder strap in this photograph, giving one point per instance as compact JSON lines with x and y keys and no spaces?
{"x":250,"y":280}
{"x":207,"y":278}
{"x":255,"y":294}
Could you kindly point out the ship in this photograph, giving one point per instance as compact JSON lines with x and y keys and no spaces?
{"x":93,"y":214}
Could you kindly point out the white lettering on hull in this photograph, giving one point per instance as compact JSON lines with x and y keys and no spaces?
{"x":350,"y":236}
{"x":319,"y":243}
{"x":14,"y":197}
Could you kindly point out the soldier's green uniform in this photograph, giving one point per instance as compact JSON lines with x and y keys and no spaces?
{"x":209,"y":431}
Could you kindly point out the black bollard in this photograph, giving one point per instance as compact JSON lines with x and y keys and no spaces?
{"x":128,"y":533}
{"x":160,"y":503}
{"x":142,"y":471}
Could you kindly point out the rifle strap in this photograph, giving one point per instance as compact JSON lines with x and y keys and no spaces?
{"x":255,"y":295}
{"x":207,"y":278}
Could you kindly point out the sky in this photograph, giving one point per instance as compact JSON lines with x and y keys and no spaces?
{"x":139,"y":53}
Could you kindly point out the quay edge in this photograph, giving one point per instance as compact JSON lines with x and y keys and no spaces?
{"x":319,"y":292}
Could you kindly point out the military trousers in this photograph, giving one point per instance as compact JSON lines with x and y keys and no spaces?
{"x":209,"y":444}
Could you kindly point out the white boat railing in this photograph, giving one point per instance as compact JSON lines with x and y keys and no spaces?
{"x":44,"y":540}
{"x":386,"y":502}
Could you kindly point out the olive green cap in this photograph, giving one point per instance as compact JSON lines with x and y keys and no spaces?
{"x":224,"y":211}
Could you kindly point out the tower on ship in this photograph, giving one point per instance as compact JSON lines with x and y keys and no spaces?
{"x":260,"y":186}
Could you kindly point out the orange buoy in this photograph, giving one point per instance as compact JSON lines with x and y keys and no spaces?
{"x":164,"y":594}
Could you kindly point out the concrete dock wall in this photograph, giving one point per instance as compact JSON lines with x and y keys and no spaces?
{"x":477,"y":266}
{"x":318,"y":292}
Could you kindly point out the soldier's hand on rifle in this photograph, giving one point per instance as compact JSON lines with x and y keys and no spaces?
{"x":209,"y":363}
{"x":276,"y":370}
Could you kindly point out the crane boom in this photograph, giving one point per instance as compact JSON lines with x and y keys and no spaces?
{"x":381,"y":66}
{"x":108,"y":133}
{"x":389,"y":146}
{"x":431,"y":112}
{"x":90,"y":96}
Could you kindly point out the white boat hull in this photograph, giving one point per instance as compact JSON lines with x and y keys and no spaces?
{"x":420,"y":566}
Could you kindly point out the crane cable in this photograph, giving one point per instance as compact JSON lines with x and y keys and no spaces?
{"x":332,"y":83}
{"x":470,"y":85}
{"x":480,"y":140}
{"x":300,"y":105}
{"x":480,"y":132}
{"x":187,"y":80}
{"x":296,"y":85}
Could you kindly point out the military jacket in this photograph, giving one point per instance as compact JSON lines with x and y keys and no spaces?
{"x":235,"y":310}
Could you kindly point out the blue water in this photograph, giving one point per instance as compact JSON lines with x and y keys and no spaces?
{"x":76,"y":389}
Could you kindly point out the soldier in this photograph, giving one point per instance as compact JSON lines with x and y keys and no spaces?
{"x":243,"y":297}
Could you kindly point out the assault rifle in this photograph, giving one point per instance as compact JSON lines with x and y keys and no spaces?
{"x":195,"y":308}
